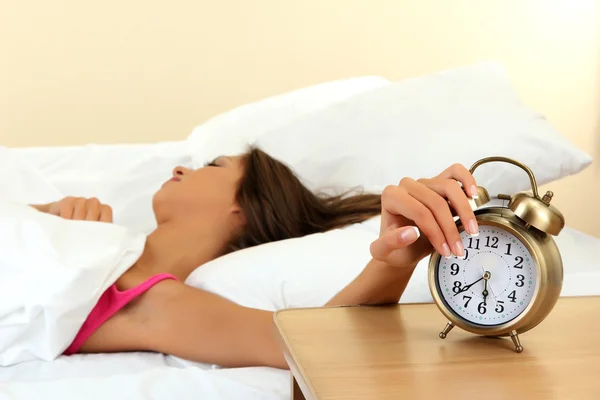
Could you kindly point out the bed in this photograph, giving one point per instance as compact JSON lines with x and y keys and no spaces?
{"x":146,"y":376}
{"x":319,"y":131}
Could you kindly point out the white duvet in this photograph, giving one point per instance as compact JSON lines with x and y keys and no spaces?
{"x":160,"y":383}
{"x":138,"y":376}
{"x":53,"y":273}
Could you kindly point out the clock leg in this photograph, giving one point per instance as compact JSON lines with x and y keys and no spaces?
{"x":515,"y":338}
{"x":447,"y":329}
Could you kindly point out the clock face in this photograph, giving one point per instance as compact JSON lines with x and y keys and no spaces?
{"x":493,"y":283}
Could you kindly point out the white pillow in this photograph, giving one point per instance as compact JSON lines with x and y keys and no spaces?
{"x":289,"y":273}
{"x":232,"y":131}
{"x":419,"y":127}
{"x":300,"y":272}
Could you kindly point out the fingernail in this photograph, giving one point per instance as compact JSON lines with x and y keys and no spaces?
{"x":459,"y":249}
{"x":446,"y":251}
{"x":474,"y":192}
{"x":473,"y":228}
{"x":410,"y":234}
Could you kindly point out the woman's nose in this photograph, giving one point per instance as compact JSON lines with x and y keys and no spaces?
{"x":180,"y":171}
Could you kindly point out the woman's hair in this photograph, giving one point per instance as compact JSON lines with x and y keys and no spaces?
{"x":277,"y":206}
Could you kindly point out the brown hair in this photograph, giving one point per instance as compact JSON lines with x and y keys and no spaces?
{"x":277,"y":206}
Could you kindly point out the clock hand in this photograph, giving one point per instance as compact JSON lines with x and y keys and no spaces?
{"x":485,"y":292}
{"x":465,"y":288}
{"x":487,"y":275}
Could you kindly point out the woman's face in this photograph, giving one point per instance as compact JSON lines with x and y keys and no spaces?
{"x":202,"y":195}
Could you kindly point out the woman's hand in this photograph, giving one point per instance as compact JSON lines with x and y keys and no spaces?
{"x":425,"y":205}
{"x":79,"y":208}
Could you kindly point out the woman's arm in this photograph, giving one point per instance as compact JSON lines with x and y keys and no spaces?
{"x":196,"y":325}
{"x":378,"y":283}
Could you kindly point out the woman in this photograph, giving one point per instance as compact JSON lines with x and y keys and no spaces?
{"x":238,"y":202}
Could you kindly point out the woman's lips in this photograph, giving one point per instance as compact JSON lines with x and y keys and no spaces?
{"x":173,"y":179}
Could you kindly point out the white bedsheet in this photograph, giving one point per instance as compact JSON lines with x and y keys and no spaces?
{"x":139,"y":377}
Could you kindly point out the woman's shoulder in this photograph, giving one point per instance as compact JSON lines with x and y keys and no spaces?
{"x":138,"y":299}
{"x":135,"y":278}
{"x":143,"y":285}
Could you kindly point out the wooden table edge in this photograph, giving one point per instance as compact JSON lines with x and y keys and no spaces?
{"x":296,"y":370}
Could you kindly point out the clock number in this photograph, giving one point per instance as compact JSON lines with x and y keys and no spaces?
{"x":457,"y":285}
{"x":519,"y":261}
{"x":468,"y":300}
{"x":454,"y":269}
{"x":508,"y":249}
{"x":513,"y":296}
{"x":494,"y":242}
{"x":470,"y":246}
{"x":520,"y":281}
{"x":466,"y":254}
{"x":499,"y":306}
{"x":481,"y":308}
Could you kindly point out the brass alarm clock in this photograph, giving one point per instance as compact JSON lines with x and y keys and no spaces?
{"x":511,"y":274}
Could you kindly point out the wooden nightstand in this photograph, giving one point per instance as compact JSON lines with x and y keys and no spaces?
{"x":394,"y":352}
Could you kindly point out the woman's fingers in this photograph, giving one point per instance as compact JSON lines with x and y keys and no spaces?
{"x":394,"y":239}
{"x":93,"y":209}
{"x":459,"y":173}
{"x":66,"y":207}
{"x":396,"y":200}
{"x":439,"y":208}
{"x":428,"y":204}
{"x":79,"y":208}
{"x":106,"y":214}
{"x":449,"y":189}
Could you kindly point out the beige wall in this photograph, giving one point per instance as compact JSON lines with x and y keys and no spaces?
{"x":74,"y":72}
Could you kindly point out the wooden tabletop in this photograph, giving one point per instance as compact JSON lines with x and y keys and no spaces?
{"x":394,"y":352}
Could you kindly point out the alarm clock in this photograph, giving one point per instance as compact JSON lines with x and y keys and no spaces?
{"x":511,"y":274}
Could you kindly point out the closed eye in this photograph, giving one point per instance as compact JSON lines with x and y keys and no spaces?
{"x":217,"y":162}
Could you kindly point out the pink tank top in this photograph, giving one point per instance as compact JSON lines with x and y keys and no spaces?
{"x":111,"y":301}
